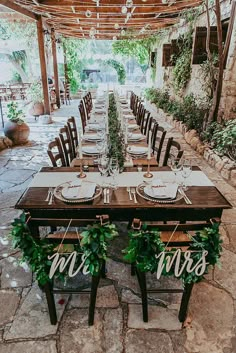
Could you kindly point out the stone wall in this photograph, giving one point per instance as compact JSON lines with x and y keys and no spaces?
{"x":164,"y":75}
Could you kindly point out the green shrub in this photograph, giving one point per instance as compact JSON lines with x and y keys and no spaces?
{"x":224,"y":139}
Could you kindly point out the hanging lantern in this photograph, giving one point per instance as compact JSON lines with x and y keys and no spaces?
{"x":116,"y":25}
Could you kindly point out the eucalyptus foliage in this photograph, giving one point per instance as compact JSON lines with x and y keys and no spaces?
{"x":36,"y":251}
{"x":116,"y":137}
{"x":94,"y":244}
{"x":146,"y":243}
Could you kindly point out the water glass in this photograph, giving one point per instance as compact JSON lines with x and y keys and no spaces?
{"x":186,"y":171}
{"x":176,"y":165}
{"x":103,"y":166}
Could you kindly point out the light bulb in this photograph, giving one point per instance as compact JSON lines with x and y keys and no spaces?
{"x":124,"y":10}
{"x":116,"y":26}
{"x":129,"y":3}
{"x":122,"y":32}
{"x":88,"y":13}
{"x":114,"y":38}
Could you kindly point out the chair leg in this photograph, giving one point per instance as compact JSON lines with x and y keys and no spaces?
{"x":142,"y":284}
{"x":93,"y":296}
{"x":51,"y":303}
{"x":103,"y":269}
{"x":185,"y":301}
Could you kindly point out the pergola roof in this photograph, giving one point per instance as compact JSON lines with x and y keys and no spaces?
{"x":104,"y":18}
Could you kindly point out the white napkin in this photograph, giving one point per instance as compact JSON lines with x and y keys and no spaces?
{"x":137,"y":149}
{"x":85,"y":190}
{"x":133,"y":126}
{"x":90,"y":150}
{"x":167,"y":191}
{"x":90,"y":137}
{"x":135,"y":137}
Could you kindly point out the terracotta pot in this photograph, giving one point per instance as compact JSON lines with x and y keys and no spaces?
{"x":37,"y":109}
{"x":17,"y":133}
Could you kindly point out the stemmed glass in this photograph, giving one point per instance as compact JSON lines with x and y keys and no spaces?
{"x":103,"y":166}
{"x":114,"y":171}
{"x":186,"y":171}
{"x":175,"y":164}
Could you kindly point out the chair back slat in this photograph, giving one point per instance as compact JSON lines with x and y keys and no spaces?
{"x":66,"y":143}
{"x":173,"y":148}
{"x":73,"y":133}
{"x":55,"y":153}
{"x":159,"y":134}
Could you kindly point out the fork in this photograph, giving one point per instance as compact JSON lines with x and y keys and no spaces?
{"x":48,"y":195}
{"x":51,"y":197}
{"x":133,"y":191}
{"x":130,"y":195}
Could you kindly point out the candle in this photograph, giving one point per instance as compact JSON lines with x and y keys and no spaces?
{"x":149,"y":144}
{"x":80,"y":147}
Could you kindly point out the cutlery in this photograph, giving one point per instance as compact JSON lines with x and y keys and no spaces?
{"x":51,"y":197}
{"x":105,"y":195}
{"x":108,"y":196}
{"x":48,"y":195}
{"x":186,"y":199}
{"x":130,"y":195}
{"x":133,"y":191}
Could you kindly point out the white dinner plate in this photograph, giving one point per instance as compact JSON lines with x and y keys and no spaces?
{"x":166,"y":192}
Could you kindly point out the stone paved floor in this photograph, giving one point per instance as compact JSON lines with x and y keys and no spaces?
{"x":118,"y":328}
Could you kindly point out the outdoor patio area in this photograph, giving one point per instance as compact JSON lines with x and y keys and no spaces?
{"x":118,"y":326}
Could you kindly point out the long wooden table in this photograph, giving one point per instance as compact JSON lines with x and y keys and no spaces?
{"x":207,"y":203}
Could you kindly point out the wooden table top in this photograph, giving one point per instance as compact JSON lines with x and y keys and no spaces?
{"x":207,"y":202}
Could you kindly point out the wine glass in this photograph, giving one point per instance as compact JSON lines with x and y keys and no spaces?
{"x":103,"y":166}
{"x":186,"y":171}
{"x":175,"y":164}
{"x":114,"y":171}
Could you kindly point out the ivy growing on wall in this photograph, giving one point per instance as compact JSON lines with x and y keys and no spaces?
{"x":182,"y":70}
{"x":119,"y":69}
{"x":71,"y":48}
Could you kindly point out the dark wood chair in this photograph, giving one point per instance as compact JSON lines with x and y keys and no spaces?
{"x":178,"y":240}
{"x":56,"y":154}
{"x":73,"y":133}
{"x":72,"y":237}
{"x":82,"y":115}
{"x":90,"y":101}
{"x":86,"y":107}
{"x":136,"y":104}
{"x":158,"y":138}
{"x":66,"y":142}
{"x":173,"y":148}
{"x":147,"y":124}
{"x":141,"y":114}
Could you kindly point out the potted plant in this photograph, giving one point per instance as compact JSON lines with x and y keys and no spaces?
{"x":35,"y":96}
{"x":16,"y":129}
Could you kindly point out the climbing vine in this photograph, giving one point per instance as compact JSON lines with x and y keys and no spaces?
{"x":119,"y":69}
{"x":182,"y":70}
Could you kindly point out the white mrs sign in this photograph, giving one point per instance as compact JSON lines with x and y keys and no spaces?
{"x":61,"y":262}
{"x":167,"y":261}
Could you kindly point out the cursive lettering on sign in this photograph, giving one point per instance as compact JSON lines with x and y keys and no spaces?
{"x":62,"y":262}
{"x":167,"y":261}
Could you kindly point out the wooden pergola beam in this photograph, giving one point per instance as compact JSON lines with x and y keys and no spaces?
{"x":11,"y":5}
{"x":43,"y":66}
